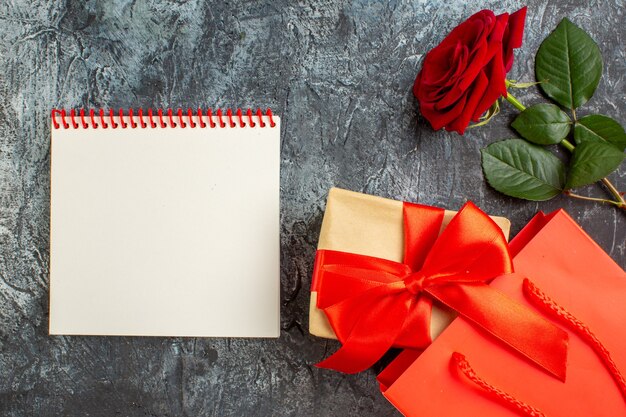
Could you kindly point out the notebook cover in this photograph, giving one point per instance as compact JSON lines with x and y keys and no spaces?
{"x":565,"y":263}
{"x":165,"y":231}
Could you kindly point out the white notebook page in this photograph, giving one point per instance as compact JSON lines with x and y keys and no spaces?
{"x":165,"y":231}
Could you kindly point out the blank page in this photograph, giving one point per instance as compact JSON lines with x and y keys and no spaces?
{"x":165,"y":231}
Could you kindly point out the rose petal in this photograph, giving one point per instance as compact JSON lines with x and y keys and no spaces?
{"x":479,"y":54}
{"x":460,"y":124}
{"x":439,"y":118}
{"x":496,"y":88}
{"x":454,"y":92}
{"x":513,"y":36}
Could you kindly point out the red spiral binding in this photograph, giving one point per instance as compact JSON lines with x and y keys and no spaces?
{"x":229,"y":113}
{"x":92,"y":116}
{"x":170,"y":118}
{"x":190,"y":116}
{"x":73,"y":119}
{"x":122,"y":122}
{"x":202,"y":124}
{"x":219,"y":117}
{"x":82,"y":119}
{"x":160,"y":114}
{"x":249,"y":114}
{"x":104,"y":125}
{"x":152,"y":124}
{"x":131,"y":118}
{"x":210,"y":116}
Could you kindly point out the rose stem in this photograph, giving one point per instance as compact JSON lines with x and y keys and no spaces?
{"x":620,"y":202}
{"x":515,"y":102}
{"x":599,"y":200}
{"x":615,"y":192}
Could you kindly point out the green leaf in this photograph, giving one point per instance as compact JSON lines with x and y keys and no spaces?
{"x":600,"y":128}
{"x":591,"y":162}
{"x":543,"y":124}
{"x":523,"y":170}
{"x":568,"y":65}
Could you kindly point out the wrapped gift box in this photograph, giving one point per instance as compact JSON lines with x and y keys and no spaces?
{"x":568,"y":266}
{"x":373,"y":226}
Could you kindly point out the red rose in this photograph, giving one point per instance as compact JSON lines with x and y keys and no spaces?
{"x":465,"y":74}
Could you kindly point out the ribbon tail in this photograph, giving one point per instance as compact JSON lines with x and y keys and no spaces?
{"x":373,"y":334}
{"x":514,"y":324}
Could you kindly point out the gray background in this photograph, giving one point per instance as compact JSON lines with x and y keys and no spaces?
{"x":340,"y":75}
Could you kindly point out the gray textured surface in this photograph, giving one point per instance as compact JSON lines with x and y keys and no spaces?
{"x":339,"y":73}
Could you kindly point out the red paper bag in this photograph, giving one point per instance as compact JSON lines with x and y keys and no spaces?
{"x":568,"y":266}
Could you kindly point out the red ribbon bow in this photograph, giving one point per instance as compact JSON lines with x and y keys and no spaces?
{"x":373,"y":304}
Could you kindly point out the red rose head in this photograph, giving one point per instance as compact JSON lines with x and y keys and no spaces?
{"x":465,"y":74}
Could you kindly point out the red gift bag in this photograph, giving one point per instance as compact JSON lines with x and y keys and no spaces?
{"x":565,"y":264}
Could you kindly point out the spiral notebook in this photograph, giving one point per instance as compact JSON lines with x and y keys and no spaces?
{"x":165,"y":223}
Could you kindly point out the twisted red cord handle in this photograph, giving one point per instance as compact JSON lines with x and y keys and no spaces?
{"x":551,"y":308}
{"x":461,"y":363}
{"x":541,"y":301}
{"x":169,"y":118}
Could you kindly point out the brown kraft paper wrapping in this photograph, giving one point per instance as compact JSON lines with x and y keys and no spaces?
{"x":373,"y":226}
